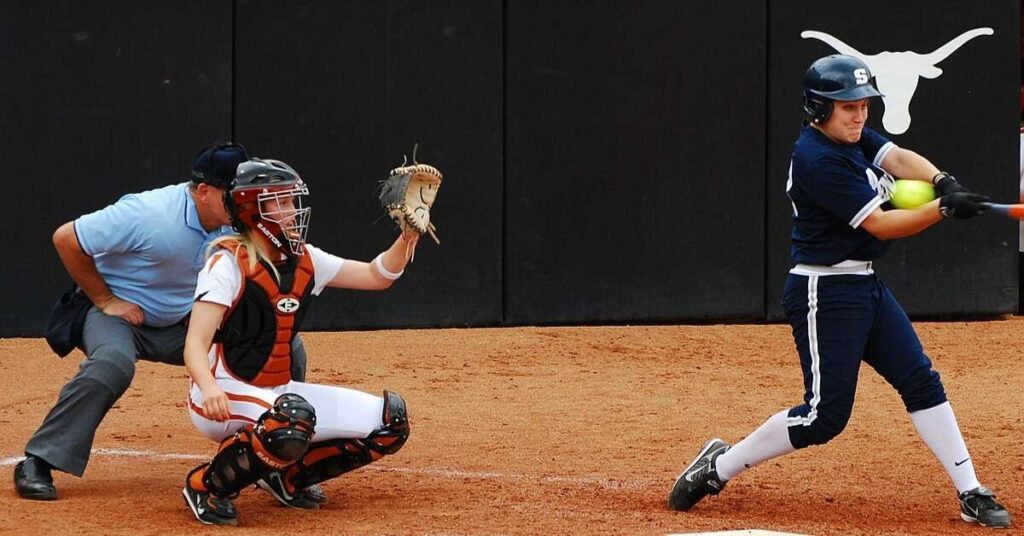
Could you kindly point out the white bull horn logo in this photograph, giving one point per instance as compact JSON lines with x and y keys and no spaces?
{"x":896,"y":73}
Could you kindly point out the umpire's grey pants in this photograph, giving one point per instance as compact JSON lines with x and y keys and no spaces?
{"x":112,"y":347}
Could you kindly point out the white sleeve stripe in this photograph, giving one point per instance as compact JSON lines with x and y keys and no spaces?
{"x":882,"y":152}
{"x":866,"y":211}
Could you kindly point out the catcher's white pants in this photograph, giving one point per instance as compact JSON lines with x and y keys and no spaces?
{"x":340,"y":412}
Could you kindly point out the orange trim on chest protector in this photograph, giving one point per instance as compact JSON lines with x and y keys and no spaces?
{"x":276,"y":369}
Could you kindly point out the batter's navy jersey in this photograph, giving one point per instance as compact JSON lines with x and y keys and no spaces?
{"x":844,"y":315}
{"x":833,"y":188}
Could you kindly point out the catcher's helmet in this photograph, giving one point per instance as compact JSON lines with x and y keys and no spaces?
{"x":259,"y":182}
{"x":835,"y":78}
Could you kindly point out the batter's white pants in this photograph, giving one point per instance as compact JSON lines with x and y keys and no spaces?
{"x":340,"y":412}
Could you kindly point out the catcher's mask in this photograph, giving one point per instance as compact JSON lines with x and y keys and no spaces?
{"x":835,"y":78}
{"x":266,"y":197}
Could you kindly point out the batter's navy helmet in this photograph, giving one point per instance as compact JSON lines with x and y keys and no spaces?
{"x":835,"y":78}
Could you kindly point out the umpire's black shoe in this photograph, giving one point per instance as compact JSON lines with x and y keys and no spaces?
{"x":699,"y":478}
{"x":32,"y":480}
{"x":979,"y":506}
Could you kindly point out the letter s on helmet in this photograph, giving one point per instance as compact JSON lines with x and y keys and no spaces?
{"x":258,"y":182}
{"x":835,"y":78}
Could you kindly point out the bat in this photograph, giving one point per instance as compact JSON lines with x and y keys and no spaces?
{"x":1010,"y":211}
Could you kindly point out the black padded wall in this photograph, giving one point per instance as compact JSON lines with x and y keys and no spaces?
{"x":635,"y":157}
{"x":97,"y":99}
{"x":604,"y":161}
{"x":342,"y":90}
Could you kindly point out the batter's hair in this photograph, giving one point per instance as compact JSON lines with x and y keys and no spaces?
{"x":245,"y":240}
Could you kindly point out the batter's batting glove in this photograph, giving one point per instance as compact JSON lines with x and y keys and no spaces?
{"x":946,"y":184}
{"x":962,"y":205}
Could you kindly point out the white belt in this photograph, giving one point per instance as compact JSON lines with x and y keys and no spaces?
{"x":842,"y":268}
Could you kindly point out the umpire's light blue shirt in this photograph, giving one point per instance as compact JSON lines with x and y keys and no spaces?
{"x":149,"y":248}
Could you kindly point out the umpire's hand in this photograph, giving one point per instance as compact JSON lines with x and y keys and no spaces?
{"x":127,"y":311}
{"x":962,"y":205}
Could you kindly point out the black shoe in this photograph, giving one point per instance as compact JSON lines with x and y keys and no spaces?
{"x":32,"y":480}
{"x":979,"y":506}
{"x":274,"y":485}
{"x":209,"y":510}
{"x":699,"y":478}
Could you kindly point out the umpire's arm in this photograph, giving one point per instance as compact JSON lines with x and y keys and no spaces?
{"x":82,"y":268}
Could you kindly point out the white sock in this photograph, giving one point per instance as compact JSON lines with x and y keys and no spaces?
{"x":937,"y":427}
{"x":769,"y":441}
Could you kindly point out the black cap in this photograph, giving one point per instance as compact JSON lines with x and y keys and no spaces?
{"x":216,"y":165}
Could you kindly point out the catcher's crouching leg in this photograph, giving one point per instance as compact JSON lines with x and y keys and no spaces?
{"x":335,"y":457}
{"x":280,"y":438}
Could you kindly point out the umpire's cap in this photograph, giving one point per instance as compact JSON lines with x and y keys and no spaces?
{"x":217,"y":164}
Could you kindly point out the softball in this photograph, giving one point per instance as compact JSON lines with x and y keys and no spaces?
{"x":911,"y":194}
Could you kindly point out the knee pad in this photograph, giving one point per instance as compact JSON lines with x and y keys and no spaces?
{"x":280,"y":438}
{"x":282,"y":434}
{"x":395,"y":432}
{"x":335,"y":457}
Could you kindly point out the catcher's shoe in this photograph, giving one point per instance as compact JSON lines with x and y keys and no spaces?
{"x":316,"y":494}
{"x":210,"y":510}
{"x":979,"y":506}
{"x":699,"y":478}
{"x":275,"y":486}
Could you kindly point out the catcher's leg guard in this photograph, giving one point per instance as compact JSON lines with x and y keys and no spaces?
{"x":335,"y":457}
{"x":280,"y":438}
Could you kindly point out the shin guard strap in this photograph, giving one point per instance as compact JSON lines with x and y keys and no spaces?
{"x":235,"y":466}
{"x":329,"y":459}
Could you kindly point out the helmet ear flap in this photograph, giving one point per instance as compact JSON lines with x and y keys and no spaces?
{"x":817,"y":109}
{"x":236,"y":221}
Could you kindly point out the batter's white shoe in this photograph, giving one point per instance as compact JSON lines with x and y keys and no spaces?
{"x":699,"y":479}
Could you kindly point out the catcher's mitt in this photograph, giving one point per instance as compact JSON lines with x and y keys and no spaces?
{"x":407,"y":195}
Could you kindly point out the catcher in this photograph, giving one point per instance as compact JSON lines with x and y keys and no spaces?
{"x":250,"y":301}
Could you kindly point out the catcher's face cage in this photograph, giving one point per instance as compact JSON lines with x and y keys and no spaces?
{"x":279,"y":213}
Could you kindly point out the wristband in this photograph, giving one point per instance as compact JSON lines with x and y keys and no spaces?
{"x":379,"y":264}
{"x":939,"y":176}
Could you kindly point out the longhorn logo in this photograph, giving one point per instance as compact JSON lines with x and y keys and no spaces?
{"x":896,"y":73}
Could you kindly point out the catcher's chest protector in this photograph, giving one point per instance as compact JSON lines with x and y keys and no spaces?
{"x":256,"y":334}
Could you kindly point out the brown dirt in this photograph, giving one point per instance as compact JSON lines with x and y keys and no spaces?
{"x":552,"y":431}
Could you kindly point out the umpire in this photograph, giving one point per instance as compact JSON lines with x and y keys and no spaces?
{"x":137,"y":260}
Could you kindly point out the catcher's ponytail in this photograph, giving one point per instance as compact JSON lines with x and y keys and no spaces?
{"x":252,"y":251}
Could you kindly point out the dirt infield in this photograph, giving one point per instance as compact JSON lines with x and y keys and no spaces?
{"x":552,"y":431}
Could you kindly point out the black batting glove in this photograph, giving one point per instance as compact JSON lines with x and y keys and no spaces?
{"x":962,"y":205}
{"x":946,"y":184}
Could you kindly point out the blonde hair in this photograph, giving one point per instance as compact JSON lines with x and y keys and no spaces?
{"x":254,"y":252}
